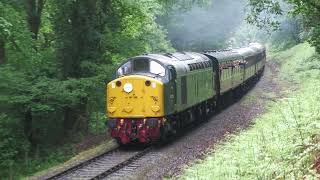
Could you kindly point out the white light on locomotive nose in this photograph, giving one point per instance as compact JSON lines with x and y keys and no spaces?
{"x":128,"y":87}
{"x":154,"y":85}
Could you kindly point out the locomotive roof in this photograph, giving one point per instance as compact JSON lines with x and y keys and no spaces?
{"x":224,"y":55}
{"x":181,"y":60}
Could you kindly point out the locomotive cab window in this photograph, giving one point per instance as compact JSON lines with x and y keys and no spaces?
{"x":142,"y":66}
{"x":172,"y":73}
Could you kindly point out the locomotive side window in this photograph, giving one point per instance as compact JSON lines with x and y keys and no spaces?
{"x":125,"y":69}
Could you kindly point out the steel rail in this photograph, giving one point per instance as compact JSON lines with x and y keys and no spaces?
{"x":122,"y":164}
{"x":81,"y":165}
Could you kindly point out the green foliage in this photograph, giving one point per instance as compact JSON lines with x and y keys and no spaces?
{"x":259,"y":11}
{"x":4,"y":28}
{"x":12,"y":142}
{"x":289,"y":34}
{"x":14,"y":31}
{"x":302,"y":65}
{"x":135,"y":34}
{"x":282,"y":143}
{"x":52,"y":85}
{"x":182,"y":5}
{"x":264,"y":15}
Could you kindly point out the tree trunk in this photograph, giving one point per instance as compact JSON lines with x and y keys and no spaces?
{"x":34,"y":11}
{"x":28,"y":124}
{"x":29,"y":131}
{"x":84,"y":118}
{"x":70,"y":117}
{"x":76,"y":119}
{"x":2,"y":52}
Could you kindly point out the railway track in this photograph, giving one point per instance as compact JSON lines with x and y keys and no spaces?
{"x":102,"y":166}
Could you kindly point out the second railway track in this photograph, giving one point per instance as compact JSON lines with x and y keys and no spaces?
{"x":103,"y":165}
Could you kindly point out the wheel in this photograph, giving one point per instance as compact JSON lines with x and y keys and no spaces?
{"x":118,"y":140}
{"x":164,"y":133}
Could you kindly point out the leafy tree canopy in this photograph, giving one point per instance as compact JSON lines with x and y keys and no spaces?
{"x":264,"y":15}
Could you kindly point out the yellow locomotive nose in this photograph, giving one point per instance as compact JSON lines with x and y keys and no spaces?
{"x":135,"y":96}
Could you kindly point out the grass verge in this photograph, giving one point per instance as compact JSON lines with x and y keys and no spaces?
{"x":284,"y":142}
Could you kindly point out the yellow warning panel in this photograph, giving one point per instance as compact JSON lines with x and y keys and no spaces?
{"x":135,"y":96}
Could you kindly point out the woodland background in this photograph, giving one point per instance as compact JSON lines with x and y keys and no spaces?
{"x":57,"y":56}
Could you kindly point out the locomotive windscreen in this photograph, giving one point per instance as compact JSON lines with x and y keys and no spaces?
{"x":142,"y":65}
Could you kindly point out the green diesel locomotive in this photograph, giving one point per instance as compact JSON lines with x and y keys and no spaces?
{"x":156,"y":95}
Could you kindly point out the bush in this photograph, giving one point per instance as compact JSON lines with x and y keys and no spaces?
{"x":12,"y":143}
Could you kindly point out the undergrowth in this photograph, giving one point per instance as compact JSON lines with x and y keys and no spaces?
{"x":282,"y":143}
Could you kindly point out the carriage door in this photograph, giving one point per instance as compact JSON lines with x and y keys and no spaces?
{"x":173,"y":87}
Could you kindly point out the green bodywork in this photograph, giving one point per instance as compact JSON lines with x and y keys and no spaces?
{"x":192,"y":85}
{"x":191,"y":89}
